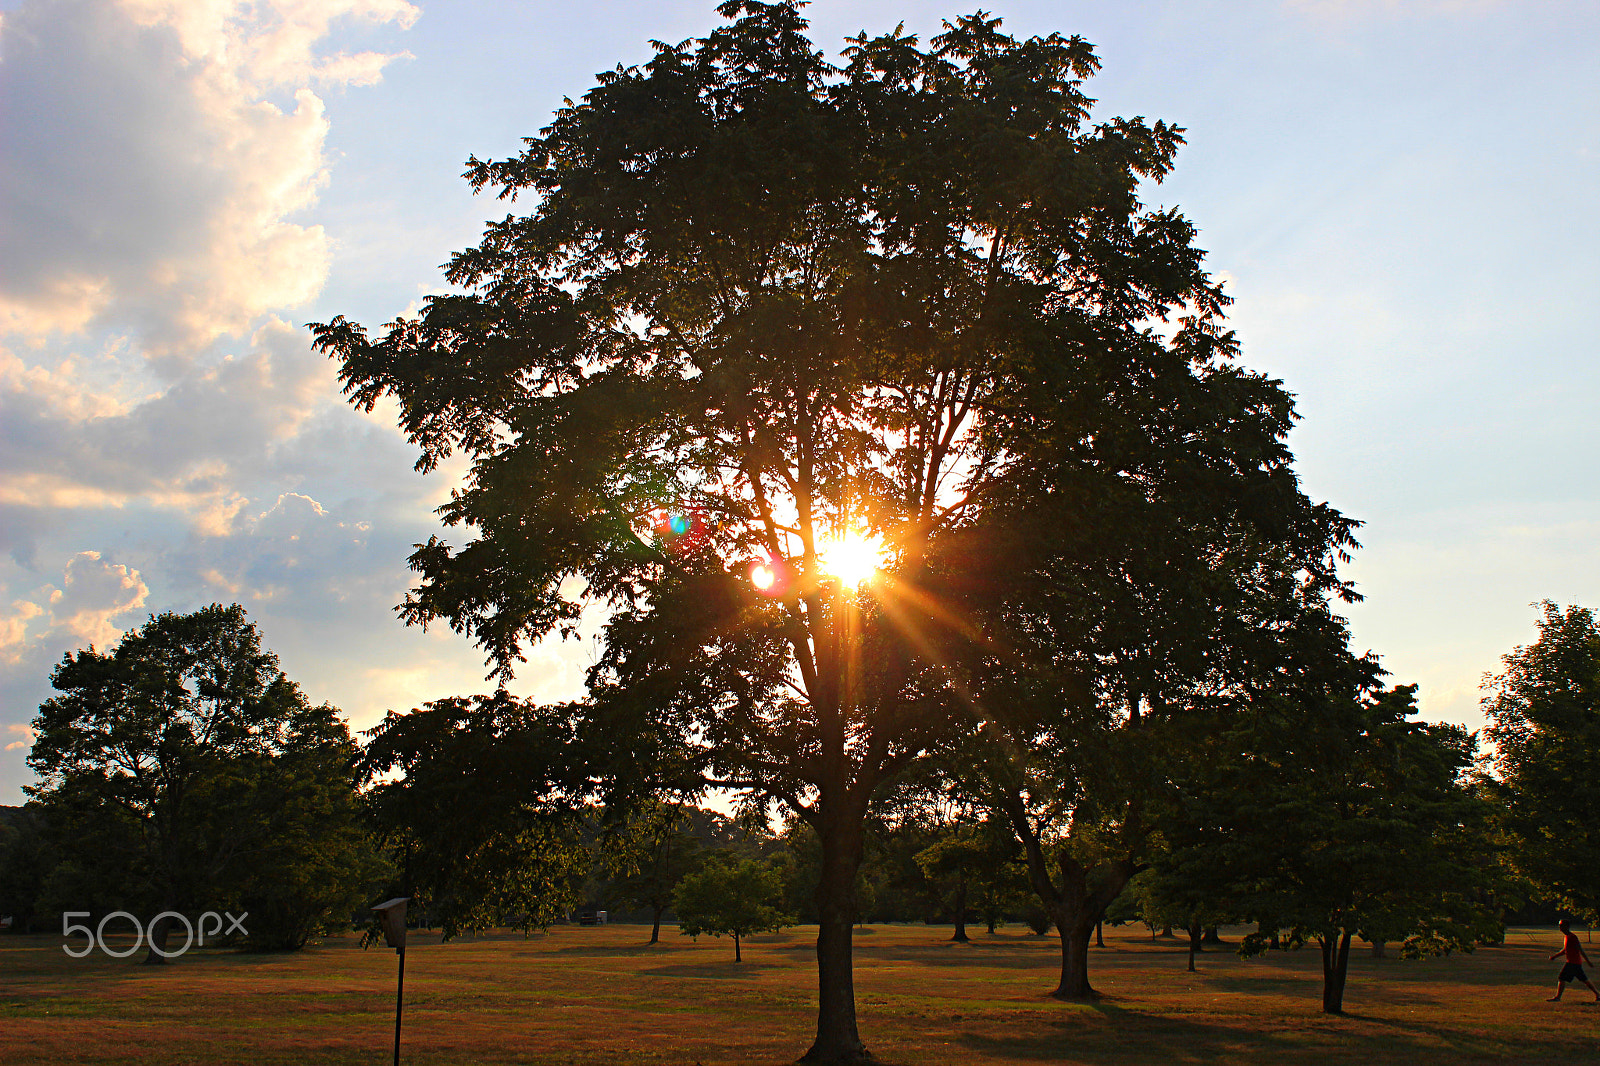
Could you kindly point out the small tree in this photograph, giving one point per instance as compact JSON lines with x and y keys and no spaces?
{"x":663,"y":853}
{"x":731,"y":897}
{"x":485,"y":812}
{"x":970,"y":859}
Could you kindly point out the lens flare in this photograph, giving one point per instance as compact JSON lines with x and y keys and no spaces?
{"x":771,"y":577}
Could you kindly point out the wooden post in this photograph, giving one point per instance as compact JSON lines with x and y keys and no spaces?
{"x":399,"y":993}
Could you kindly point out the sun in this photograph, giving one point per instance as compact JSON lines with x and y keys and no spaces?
{"x":853,"y":558}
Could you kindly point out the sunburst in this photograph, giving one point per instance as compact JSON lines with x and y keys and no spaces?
{"x":854,"y":558}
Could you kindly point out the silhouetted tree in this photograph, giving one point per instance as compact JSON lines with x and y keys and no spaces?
{"x":664,"y":852}
{"x":182,"y":770}
{"x":1336,"y":819}
{"x":1544,"y":715}
{"x":761,"y":303}
{"x":969,"y":859}
{"x":484,"y":806}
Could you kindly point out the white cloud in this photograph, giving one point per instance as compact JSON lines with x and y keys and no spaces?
{"x":188,"y":448}
{"x":93,"y":593}
{"x":27,"y":734}
{"x":14,"y":628}
{"x":148,"y":175}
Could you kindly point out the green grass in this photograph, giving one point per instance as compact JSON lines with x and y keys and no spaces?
{"x":600,"y":995}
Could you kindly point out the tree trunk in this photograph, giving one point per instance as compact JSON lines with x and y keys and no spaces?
{"x":1075,"y":929}
{"x":1166,"y":930}
{"x":1380,"y":949}
{"x":157,"y":934}
{"x":1335,"y":968}
{"x":960,"y":934}
{"x":1099,"y":933}
{"x":1196,"y":934}
{"x":736,"y":956}
{"x":1212,"y":936}
{"x":1075,"y":909}
{"x":655,"y":927}
{"x":837,"y":1039}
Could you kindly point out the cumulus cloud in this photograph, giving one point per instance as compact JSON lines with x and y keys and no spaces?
{"x":93,"y":594}
{"x":152,"y":154}
{"x":90,"y":605}
{"x":294,"y":549}
{"x":188,"y":447}
{"x":14,"y":628}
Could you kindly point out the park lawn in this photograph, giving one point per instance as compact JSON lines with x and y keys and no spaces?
{"x":601,"y":995}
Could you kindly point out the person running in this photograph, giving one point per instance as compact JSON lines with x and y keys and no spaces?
{"x":1573,"y":970}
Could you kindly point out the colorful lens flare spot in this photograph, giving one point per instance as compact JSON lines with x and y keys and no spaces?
{"x":770,"y":576}
{"x":679,"y":524}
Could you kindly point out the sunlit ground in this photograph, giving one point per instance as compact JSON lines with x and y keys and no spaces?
{"x":600,"y":995}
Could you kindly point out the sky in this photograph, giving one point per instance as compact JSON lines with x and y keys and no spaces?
{"x":1400,"y":196}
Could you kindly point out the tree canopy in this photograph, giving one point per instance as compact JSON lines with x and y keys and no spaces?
{"x":483,"y":807}
{"x":765,"y":312}
{"x":1544,"y":715}
{"x":188,"y":772}
{"x":731,"y":897}
{"x":1334,"y":818}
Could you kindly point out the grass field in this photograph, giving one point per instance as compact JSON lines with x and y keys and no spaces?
{"x":600,"y":995}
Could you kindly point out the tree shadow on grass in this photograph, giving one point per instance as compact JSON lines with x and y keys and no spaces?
{"x":723,"y":971}
{"x":608,"y":951}
{"x":1117,"y":1035}
{"x":946,"y":952}
{"x":1121,"y":1036}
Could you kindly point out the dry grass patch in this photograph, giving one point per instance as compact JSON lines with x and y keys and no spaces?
{"x":599,"y":995}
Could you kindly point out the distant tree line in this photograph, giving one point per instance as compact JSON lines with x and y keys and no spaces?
{"x":182,"y":771}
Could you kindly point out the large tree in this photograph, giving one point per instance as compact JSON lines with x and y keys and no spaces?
{"x":1142,"y":593}
{"x":766,"y":317}
{"x":1544,"y":715}
{"x":202,"y":774}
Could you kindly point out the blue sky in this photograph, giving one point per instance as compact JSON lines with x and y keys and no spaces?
{"x":1401,"y":197}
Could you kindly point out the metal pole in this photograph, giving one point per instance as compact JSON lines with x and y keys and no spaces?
{"x":399,"y":991}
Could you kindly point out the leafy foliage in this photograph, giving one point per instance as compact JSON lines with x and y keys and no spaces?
{"x":915,"y":296}
{"x":1544,"y":714}
{"x":486,"y":810}
{"x":730,"y":897}
{"x":184,"y":771}
{"x":1336,"y":819}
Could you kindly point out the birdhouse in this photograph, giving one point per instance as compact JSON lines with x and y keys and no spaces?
{"x":392,"y":917}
